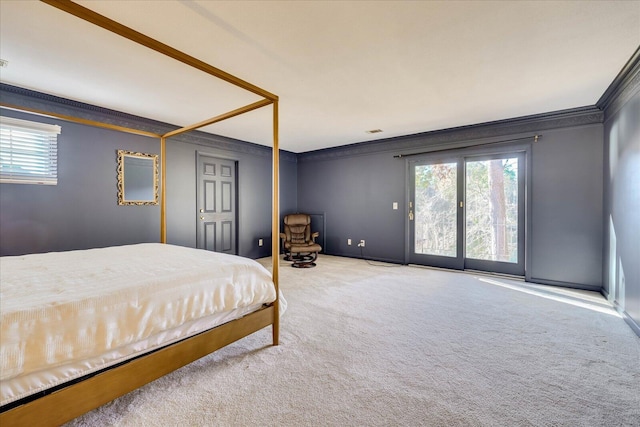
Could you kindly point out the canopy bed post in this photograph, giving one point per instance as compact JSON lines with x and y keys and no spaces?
{"x":275,"y":225}
{"x":163,"y":190}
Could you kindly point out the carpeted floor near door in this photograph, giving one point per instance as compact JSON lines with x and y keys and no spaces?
{"x":365,"y":345}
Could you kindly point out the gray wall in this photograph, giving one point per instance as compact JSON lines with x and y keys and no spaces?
{"x":254,"y":193}
{"x":622,"y":199}
{"x":356,"y":194}
{"x":566,"y":207}
{"x":356,"y":186}
{"x":82,"y":212}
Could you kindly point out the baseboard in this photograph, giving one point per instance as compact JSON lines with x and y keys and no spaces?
{"x":593,"y":288}
{"x":632,"y":323}
{"x":366,"y":258}
{"x":494,"y":274}
{"x":635,"y":327}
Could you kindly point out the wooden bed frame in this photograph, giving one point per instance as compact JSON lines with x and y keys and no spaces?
{"x":80,"y":397}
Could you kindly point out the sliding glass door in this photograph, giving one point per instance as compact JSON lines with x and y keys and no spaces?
{"x":434,"y":216}
{"x":468,"y":213}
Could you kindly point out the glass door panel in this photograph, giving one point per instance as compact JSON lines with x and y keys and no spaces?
{"x":491,"y":192}
{"x":494,"y":213}
{"x":434,"y":217}
{"x":436,"y":209}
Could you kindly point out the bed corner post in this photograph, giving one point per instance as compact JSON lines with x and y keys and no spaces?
{"x":275,"y":225}
{"x":163,"y":190}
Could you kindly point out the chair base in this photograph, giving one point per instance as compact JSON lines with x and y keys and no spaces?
{"x":303,"y":264}
{"x":302,"y":261}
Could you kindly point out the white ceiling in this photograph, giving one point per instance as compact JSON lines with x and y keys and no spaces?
{"x":340,"y":67}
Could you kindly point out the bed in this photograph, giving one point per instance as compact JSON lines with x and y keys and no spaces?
{"x":66,"y":316}
{"x":136,"y":357}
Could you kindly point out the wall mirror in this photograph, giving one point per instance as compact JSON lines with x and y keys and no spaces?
{"x":137,"y":178}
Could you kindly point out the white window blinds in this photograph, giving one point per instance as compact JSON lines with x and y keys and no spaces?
{"x":28,"y":152}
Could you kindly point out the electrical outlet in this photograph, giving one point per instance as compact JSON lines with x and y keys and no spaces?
{"x":349,"y":242}
{"x":260,"y":242}
{"x":361,"y":244}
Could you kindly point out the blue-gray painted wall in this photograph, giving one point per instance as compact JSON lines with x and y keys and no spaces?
{"x":81,"y":211}
{"x":621,"y":279}
{"x":254,"y":194}
{"x":566,"y":208}
{"x":356,"y":186}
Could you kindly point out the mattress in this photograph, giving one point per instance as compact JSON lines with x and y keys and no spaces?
{"x":68,"y":314}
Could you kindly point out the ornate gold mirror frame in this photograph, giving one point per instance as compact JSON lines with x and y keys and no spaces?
{"x":137,"y":178}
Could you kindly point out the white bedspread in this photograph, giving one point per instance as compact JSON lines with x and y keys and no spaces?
{"x":66,"y":314}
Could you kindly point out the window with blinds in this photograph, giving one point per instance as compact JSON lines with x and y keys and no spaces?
{"x":28,"y":152}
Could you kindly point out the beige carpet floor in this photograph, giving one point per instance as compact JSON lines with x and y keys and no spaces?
{"x":365,"y":345}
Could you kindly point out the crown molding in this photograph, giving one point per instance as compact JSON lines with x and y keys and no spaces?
{"x":44,"y":102}
{"x":623,"y":87}
{"x":452,"y":137}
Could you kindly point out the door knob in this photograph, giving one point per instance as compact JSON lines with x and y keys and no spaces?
{"x":202,"y":218}
{"x":201,"y":210}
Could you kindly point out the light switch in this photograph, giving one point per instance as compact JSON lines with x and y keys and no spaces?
{"x":395,"y":206}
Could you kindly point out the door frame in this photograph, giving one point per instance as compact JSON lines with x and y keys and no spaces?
{"x":439,"y":154}
{"x":200,"y":154}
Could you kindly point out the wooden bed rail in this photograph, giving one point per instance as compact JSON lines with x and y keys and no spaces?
{"x":68,"y":403}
